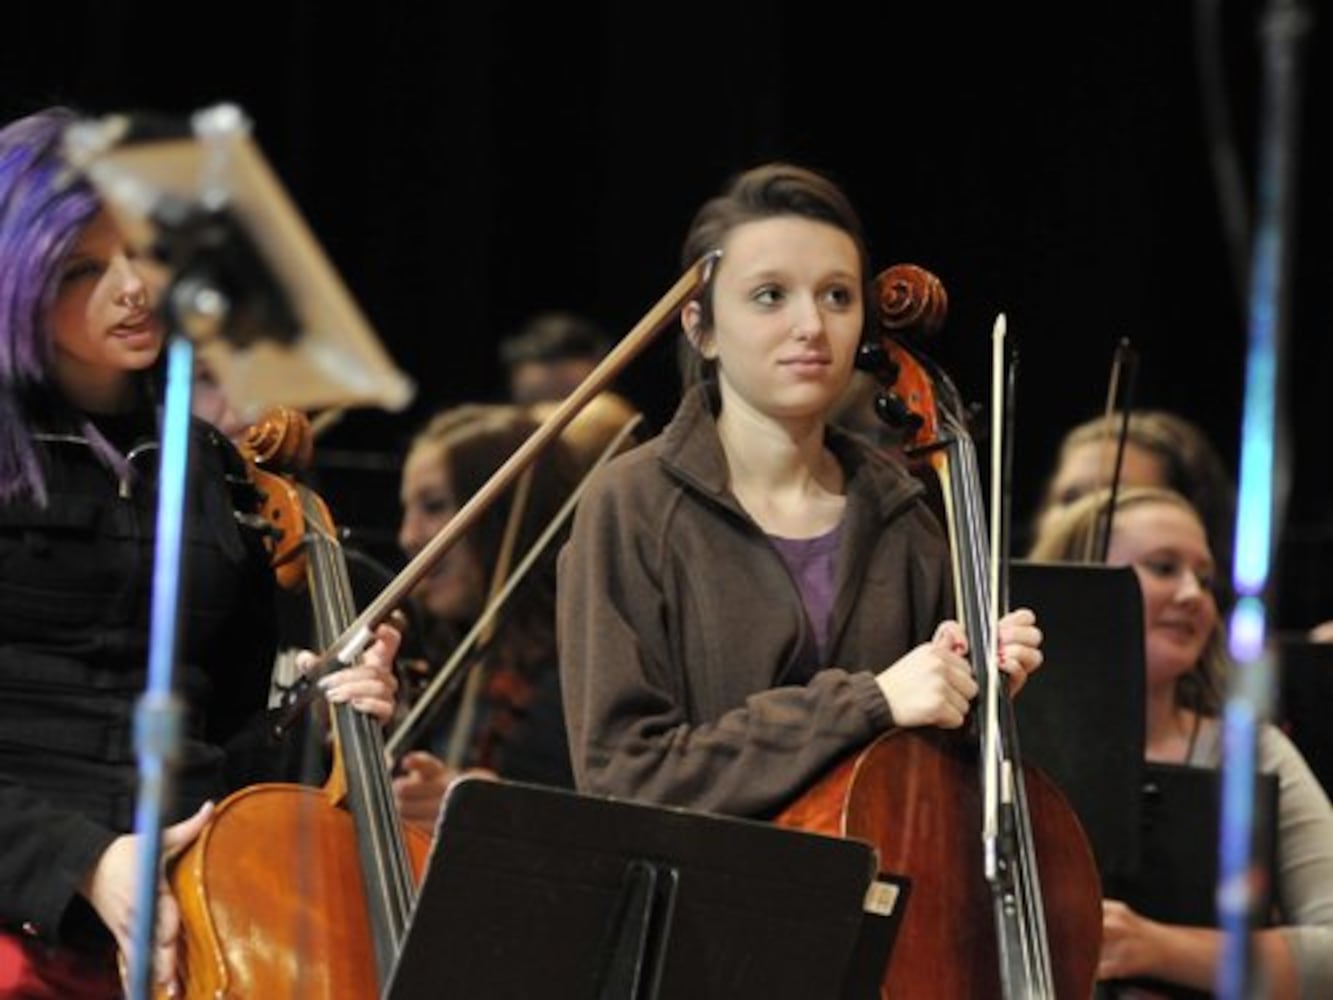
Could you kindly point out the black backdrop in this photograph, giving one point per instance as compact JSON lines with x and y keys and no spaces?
{"x":465,"y":167}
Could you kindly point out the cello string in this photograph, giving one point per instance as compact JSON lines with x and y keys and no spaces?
{"x":386,"y":871}
{"x":395,"y":862}
{"x":390,"y":857}
{"x":1002,"y":871}
{"x":1037,"y":943}
{"x":1007,"y":474}
{"x":1029,"y":974}
{"x":1005,"y":772}
{"x":1021,"y":846}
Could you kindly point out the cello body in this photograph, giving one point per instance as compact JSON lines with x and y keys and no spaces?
{"x":292,"y":890}
{"x":915,"y":796}
{"x":272,"y":902}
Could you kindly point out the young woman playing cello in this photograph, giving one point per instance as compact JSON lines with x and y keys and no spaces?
{"x":753,"y":594}
{"x":80,"y":343}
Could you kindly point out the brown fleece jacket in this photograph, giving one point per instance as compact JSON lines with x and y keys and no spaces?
{"x":678,"y":620}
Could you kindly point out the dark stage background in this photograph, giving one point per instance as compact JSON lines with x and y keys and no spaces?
{"x":466,"y":167}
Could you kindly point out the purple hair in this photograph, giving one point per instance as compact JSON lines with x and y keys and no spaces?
{"x":43,"y":208}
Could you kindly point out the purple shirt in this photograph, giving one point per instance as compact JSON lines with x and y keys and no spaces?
{"x":812,"y":562}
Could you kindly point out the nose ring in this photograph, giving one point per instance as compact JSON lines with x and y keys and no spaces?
{"x":135,"y":299}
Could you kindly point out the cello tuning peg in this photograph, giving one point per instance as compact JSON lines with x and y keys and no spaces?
{"x":259,"y":524}
{"x":871,"y":357}
{"x":893,"y":411}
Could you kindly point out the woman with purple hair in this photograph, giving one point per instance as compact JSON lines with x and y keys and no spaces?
{"x":80,"y":346}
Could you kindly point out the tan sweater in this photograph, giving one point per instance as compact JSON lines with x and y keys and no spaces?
{"x":1304,"y":876}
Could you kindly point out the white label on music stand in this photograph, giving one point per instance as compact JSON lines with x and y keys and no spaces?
{"x":881,"y":898}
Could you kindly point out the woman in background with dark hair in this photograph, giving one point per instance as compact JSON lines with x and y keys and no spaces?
{"x":548,"y":358}
{"x":505,"y":719}
{"x":80,"y":345}
{"x":1161,"y":449}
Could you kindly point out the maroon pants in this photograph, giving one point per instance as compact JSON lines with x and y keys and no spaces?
{"x":31,"y":970}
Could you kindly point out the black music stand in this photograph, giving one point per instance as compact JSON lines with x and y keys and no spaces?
{"x":1177,"y":875}
{"x":1305,"y":701}
{"x":532,"y":891}
{"x":1081,"y":717}
{"x":1176,"y":880}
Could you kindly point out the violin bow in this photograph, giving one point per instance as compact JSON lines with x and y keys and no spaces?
{"x":360,"y":633}
{"x":990,"y":736}
{"x":467,"y":702}
{"x":1124,"y":366}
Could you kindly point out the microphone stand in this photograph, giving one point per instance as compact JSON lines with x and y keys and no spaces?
{"x":1263,"y":490}
{"x":158,"y":715}
{"x":212,"y":262}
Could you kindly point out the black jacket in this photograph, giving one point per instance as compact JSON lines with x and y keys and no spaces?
{"x":75,"y":599}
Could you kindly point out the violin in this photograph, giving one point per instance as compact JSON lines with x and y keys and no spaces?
{"x":1016,"y":915}
{"x":293,"y":890}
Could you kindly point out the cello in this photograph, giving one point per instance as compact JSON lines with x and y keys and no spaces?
{"x":918,"y":795}
{"x":292,"y":890}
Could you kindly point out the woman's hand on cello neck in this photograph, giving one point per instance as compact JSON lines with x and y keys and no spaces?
{"x":370,"y":685}
{"x":933,"y":684}
{"x":1020,"y":647}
